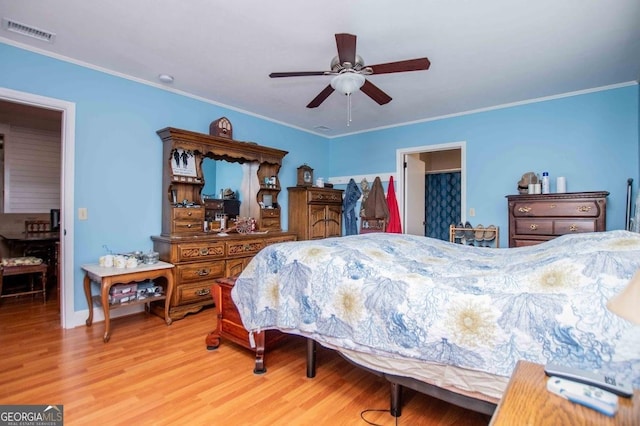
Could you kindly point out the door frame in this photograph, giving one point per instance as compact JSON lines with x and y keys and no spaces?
{"x":402,"y":185}
{"x":67,"y":173}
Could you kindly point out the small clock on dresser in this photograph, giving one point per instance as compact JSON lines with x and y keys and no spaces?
{"x":305,"y":175}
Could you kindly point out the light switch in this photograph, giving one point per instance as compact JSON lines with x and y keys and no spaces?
{"x":472,"y":212}
{"x":82,"y":213}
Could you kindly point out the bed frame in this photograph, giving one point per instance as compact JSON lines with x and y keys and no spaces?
{"x":398,"y":383}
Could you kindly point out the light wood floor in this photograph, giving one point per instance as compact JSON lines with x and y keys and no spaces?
{"x":153,"y":374}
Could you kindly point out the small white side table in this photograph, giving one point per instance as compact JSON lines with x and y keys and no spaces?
{"x":107,"y":277}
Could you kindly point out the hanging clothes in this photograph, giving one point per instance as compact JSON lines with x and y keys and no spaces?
{"x":351,"y":196}
{"x":393,"y":226}
{"x":364,"y":185}
{"x":376,"y":204}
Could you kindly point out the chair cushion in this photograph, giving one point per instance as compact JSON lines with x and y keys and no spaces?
{"x":17,"y":261}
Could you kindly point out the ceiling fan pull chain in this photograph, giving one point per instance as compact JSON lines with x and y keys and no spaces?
{"x":348,"y":110}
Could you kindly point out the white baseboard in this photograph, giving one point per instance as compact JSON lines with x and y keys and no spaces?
{"x":80,"y":317}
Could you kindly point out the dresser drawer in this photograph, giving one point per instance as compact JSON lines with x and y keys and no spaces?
{"x":188,"y":215}
{"x":193,"y":272}
{"x":562,"y":227}
{"x":270,"y":224}
{"x":282,"y":239}
{"x":268,"y":213}
{"x":244,"y":248}
{"x":184,"y":227}
{"x":189,"y":252}
{"x":187,"y":220}
{"x":214,"y":204}
{"x":534,"y":227}
{"x":517,"y":242}
{"x":577,"y":208}
{"x":193,"y":293}
{"x":325,"y":197}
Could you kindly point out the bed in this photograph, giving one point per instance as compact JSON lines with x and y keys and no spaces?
{"x":447,"y":319}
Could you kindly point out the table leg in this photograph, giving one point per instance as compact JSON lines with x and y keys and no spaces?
{"x":260,"y":343}
{"x":87,"y":293}
{"x":167,"y":302}
{"x":44,"y":287}
{"x":105,"y":287}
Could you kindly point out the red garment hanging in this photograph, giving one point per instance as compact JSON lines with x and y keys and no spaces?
{"x":394,"y":226}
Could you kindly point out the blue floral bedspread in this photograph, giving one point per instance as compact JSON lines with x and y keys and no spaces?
{"x":477,"y":308}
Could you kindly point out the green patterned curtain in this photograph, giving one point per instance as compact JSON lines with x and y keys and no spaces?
{"x":442,"y":204}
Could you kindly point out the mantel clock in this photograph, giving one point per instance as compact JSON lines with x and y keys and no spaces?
{"x":305,"y":175}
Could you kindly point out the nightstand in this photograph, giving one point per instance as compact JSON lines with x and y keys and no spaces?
{"x":527,"y":402}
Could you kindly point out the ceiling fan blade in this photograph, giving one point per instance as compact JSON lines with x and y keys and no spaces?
{"x":401,"y":66}
{"x":296,"y":74}
{"x":375,"y":93}
{"x":346,"y":44}
{"x":321,"y":97}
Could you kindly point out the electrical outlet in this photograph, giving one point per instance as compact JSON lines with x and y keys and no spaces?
{"x":472,"y":212}
{"x":82,"y":213}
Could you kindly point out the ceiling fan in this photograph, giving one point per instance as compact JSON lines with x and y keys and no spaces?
{"x":349,"y":72}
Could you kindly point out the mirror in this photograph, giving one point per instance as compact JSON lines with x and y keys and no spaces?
{"x":219,"y":175}
{"x":241,"y":178}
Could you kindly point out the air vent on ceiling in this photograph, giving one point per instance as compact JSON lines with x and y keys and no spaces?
{"x":28,"y":31}
{"x":321,"y":128}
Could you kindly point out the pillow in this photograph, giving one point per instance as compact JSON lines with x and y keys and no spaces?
{"x":21,"y":261}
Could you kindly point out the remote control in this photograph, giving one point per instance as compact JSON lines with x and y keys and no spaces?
{"x":587,"y":377}
{"x":589,"y":396}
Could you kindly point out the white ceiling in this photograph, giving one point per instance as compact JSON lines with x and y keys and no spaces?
{"x":483,"y":53}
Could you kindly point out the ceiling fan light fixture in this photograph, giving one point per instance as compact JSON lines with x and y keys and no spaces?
{"x":347,"y":83}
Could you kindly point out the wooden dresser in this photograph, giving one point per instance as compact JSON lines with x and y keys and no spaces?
{"x":199,"y":260}
{"x":537,"y":218}
{"x":315,"y":213}
{"x":200,"y":256}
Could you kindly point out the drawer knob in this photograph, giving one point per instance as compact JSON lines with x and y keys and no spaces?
{"x":583,"y":209}
{"x":524,"y":209}
{"x":573,"y":227}
{"x":203,"y":272}
{"x":189,"y":226}
{"x":189,"y":213}
{"x":203,"y":292}
{"x":204,"y":251}
{"x":533,"y":227}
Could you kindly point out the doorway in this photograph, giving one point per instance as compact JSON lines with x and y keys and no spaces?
{"x":67,"y":144}
{"x":413,"y":165}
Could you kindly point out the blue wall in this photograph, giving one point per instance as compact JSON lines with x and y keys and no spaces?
{"x":118,"y":155}
{"x":591,"y":139}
